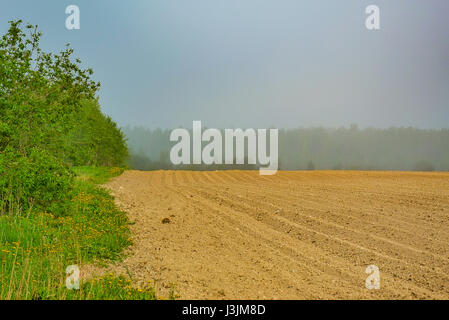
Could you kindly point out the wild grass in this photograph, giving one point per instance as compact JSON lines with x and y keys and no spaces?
{"x":37,"y":247}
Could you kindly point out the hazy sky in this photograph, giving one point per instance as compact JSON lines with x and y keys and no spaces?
{"x":257,"y":63}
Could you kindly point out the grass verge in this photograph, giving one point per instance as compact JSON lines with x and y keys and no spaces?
{"x":36,"y":248}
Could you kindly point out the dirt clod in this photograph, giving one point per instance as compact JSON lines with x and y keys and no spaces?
{"x":166,"y":220}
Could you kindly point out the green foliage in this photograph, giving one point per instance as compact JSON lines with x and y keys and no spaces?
{"x":112,"y":288}
{"x":97,"y":175}
{"x":39,"y":180}
{"x":49,"y":119}
{"x":39,"y":92}
{"x":36,"y":250}
{"x":96,"y":140}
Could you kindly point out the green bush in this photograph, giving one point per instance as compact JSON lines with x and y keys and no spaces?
{"x":37,"y":180}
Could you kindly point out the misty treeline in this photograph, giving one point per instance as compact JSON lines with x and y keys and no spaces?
{"x":50,"y":120}
{"x":317,"y":148}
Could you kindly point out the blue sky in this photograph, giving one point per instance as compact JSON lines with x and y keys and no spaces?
{"x":257,"y":63}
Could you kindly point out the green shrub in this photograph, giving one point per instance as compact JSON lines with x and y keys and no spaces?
{"x":37,"y":180}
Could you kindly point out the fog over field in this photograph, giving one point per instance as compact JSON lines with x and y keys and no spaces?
{"x":319,"y":148}
{"x":291,"y":64}
{"x":258,"y":63}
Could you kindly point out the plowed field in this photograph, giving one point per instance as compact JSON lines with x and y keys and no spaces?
{"x":294,"y":235}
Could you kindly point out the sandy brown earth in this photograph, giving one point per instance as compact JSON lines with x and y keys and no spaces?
{"x":295,"y":235}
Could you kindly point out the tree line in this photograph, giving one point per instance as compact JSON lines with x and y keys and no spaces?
{"x":396,"y":148}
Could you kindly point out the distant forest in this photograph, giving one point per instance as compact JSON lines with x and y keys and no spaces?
{"x":318,"y":148}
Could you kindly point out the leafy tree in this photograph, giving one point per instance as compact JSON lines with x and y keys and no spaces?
{"x":96,"y":140}
{"x":49,"y":119}
{"x":39,"y":92}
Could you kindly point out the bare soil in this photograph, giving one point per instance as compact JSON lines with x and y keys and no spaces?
{"x":294,"y":235}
